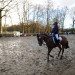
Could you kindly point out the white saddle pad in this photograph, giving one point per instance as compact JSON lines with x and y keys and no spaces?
{"x":60,"y":38}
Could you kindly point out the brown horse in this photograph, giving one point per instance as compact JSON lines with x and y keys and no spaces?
{"x":50,"y":44}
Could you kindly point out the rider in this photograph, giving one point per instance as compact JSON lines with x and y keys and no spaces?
{"x":55,"y":32}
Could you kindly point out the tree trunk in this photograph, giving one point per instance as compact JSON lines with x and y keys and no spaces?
{"x":0,"y":21}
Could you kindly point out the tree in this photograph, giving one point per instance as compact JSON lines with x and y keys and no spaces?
{"x":60,"y":16}
{"x":49,"y":6}
{"x":73,"y":18}
{"x":1,"y":9}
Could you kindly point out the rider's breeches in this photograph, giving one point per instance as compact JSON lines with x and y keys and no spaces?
{"x":57,"y":36}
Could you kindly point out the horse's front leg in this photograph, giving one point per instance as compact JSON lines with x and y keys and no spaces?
{"x":49,"y":50}
{"x":60,"y":48}
{"x":62,"y":52}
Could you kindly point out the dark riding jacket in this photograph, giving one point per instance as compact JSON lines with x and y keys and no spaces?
{"x":55,"y":29}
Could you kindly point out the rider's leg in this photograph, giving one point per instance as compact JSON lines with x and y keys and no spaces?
{"x":57,"y":38}
{"x":53,"y":37}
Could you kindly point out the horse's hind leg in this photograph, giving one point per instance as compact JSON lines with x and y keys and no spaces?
{"x":48,"y":55}
{"x":60,"y":50}
{"x":59,"y":53}
{"x":62,"y":53}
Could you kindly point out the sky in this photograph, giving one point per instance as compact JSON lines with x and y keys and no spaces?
{"x":56,"y":4}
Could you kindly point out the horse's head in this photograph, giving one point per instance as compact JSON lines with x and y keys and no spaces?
{"x":40,"y":39}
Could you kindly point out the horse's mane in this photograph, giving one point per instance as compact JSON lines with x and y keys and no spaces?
{"x":45,"y":34}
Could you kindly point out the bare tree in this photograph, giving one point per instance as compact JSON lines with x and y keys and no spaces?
{"x":73,"y":18}
{"x":62,"y":18}
{"x":7,"y":6}
{"x":61,"y":15}
{"x":1,"y":9}
{"x":49,"y":6}
{"x":25,"y":13}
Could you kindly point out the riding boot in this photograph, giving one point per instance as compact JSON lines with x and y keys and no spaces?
{"x":57,"y":42}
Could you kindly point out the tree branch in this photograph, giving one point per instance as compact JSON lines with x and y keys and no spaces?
{"x":6,"y":5}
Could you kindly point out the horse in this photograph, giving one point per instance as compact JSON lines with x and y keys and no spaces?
{"x":50,"y":44}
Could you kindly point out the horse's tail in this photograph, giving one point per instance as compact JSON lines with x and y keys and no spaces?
{"x":67,"y":45}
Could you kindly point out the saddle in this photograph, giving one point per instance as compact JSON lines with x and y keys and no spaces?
{"x":57,"y":41}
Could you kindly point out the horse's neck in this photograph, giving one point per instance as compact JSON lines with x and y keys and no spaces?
{"x":46,"y":39}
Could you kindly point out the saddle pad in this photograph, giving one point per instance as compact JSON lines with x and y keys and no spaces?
{"x":60,"y":38}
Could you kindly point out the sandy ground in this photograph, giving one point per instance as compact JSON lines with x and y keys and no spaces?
{"x":23,"y":56}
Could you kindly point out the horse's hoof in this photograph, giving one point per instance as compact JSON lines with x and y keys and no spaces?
{"x":51,"y":56}
{"x":61,"y":57}
{"x":56,"y":57}
{"x":48,"y":60}
{"x":58,"y":54}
